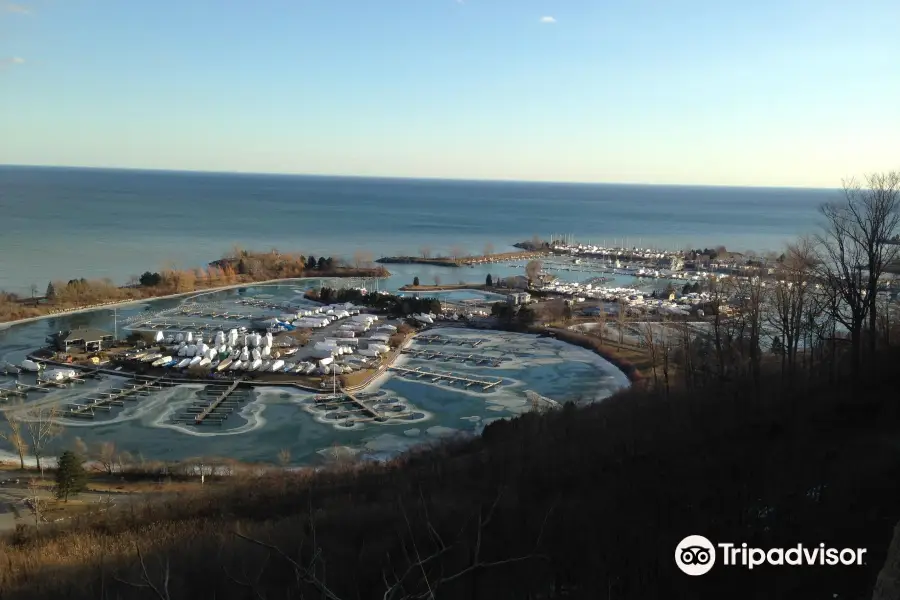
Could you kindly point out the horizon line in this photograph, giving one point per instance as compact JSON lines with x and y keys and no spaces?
{"x":408,"y":177}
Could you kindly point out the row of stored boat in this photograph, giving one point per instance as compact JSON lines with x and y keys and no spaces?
{"x":253,"y":364}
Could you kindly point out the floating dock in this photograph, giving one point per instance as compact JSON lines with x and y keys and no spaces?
{"x":477,"y":359}
{"x":216,"y":403}
{"x":436,"y":376}
{"x":6,"y":394}
{"x":105,"y":400}
{"x":444,"y":340}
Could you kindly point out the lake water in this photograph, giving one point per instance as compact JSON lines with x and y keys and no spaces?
{"x":67,"y":223}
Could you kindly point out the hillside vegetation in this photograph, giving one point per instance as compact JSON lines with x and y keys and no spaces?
{"x":580,"y":503}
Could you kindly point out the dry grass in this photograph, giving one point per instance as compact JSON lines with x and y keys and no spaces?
{"x":57,"y":509}
{"x":358,"y":378}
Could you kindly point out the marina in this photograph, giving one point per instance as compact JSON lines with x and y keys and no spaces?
{"x":196,"y":416}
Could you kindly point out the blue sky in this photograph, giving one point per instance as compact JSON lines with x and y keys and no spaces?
{"x":770,"y":92}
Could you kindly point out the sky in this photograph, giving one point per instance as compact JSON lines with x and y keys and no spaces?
{"x":763,"y":93}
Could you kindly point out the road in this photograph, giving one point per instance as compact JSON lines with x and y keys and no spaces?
{"x":12,"y":498}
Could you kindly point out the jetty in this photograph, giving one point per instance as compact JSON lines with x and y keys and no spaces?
{"x":436,"y":376}
{"x":477,"y":359}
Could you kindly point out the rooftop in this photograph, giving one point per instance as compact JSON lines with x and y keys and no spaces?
{"x":86,"y":334}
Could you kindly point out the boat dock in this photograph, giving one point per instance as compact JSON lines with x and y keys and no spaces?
{"x":7,"y":393}
{"x":105,"y":400}
{"x":436,"y":376}
{"x":359,"y":406}
{"x":477,"y":359}
{"x":444,"y":340}
{"x":216,"y":402}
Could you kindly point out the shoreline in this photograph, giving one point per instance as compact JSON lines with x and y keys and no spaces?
{"x":7,"y":324}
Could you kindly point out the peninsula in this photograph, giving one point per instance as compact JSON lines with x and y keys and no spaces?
{"x":239,"y":267}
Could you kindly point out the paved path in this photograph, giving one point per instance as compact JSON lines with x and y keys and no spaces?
{"x":12,"y":498}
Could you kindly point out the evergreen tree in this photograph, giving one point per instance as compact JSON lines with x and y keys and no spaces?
{"x":51,"y":292}
{"x":416,"y":281}
{"x":70,"y":476}
{"x":489,"y":281}
{"x":323,"y":263}
{"x":242,"y":267}
{"x":311,"y":263}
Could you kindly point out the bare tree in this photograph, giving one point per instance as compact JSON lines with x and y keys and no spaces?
{"x":42,"y":427}
{"x":284,"y":457}
{"x":437,"y":280}
{"x":362,"y":258}
{"x":425,"y":251}
{"x":718,"y":301}
{"x":457,"y":252}
{"x":685,"y":351}
{"x":34,"y":290}
{"x":15,"y":436}
{"x":37,"y":502}
{"x":601,"y":324}
{"x":840,"y":268}
{"x":650,"y":343}
{"x":666,"y":346}
{"x":621,"y":316}
{"x":872,"y":212}
{"x":533,"y":270}
{"x":488,"y":249}
{"x":106,"y":457}
{"x":751,"y":293}
{"x":789,"y":300}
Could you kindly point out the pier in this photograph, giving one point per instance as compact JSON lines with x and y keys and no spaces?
{"x":344,"y":397}
{"x":443,"y":340}
{"x":115,"y":397}
{"x":6,"y":394}
{"x":215,"y":403}
{"x":436,"y":376}
{"x":477,"y":359}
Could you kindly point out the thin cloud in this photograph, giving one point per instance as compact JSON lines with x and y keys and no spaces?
{"x":11,"y":61}
{"x":15,"y":8}
{"x":548,"y":20}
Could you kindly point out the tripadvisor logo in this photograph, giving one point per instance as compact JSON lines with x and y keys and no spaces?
{"x":696,"y":555}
